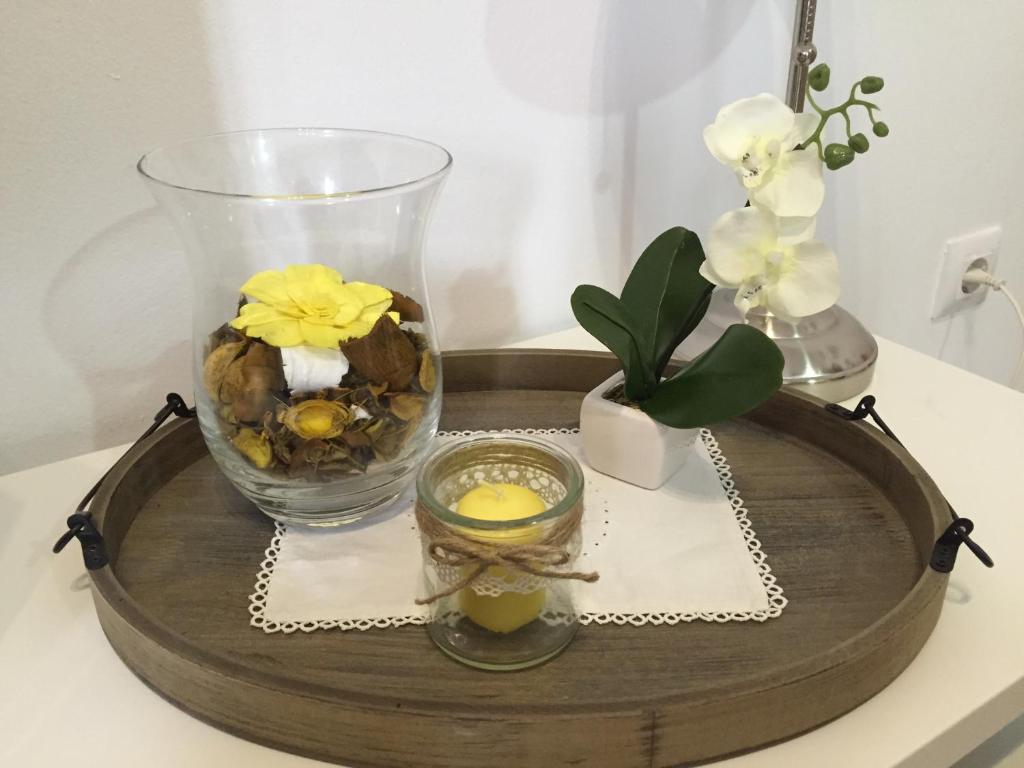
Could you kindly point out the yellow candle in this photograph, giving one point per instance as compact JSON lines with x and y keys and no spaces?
{"x":508,"y":611}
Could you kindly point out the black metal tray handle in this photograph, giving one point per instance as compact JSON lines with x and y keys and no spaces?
{"x":959,"y":531}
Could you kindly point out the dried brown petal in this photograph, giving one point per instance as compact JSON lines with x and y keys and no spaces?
{"x":306,"y":457}
{"x":407,"y":309}
{"x":355,"y":438}
{"x":223,"y":335}
{"x":338,"y":393}
{"x":252,"y":405}
{"x":264,"y":356}
{"x":317,"y":419}
{"x":216,"y":366}
{"x":336,"y":452}
{"x":251,"y":380}
{"x":407,"y":407}
{"x":375,"y":430}
{"x":362,"y":456}
{"x":385,"y":355}
{"x":255,"y":447}
{"x":428,"y":374}
{"x":239,"y":380}
{"x":390,"y":444}
{"x":279,"y":442}
{"x":233,"y":383}
{"x":419,"y":341}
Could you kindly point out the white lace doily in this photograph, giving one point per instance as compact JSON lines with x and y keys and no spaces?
{"x":686,"y":552}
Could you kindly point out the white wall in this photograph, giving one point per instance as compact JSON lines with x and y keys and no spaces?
{"x":951,"y":165}
{"x":94,"y":311}
{"x":576,"y":131}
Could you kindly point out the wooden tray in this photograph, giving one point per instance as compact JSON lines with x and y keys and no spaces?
{"x":846,"y":517}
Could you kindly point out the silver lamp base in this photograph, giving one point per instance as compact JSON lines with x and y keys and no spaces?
{"x":829,"y":355}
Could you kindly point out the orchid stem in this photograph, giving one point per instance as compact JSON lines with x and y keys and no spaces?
{"x":841,"y":109}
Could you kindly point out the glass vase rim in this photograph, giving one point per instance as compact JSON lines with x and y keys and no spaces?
{"x":387,"y":189}
{"x":573,"y":488}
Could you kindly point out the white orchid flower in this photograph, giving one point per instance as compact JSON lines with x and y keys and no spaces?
{"x":758,"y":138}
{"x":772,"y":263}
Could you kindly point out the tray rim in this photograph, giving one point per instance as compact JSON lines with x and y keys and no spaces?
{"x":916,"y":601}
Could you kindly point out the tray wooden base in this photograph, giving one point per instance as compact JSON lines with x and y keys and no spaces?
{"x":846,"y":517}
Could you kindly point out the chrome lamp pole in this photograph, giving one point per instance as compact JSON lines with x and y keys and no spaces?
{"x":829,"y":354}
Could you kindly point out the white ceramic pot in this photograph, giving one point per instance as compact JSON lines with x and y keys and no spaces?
{"x":628,"y":444}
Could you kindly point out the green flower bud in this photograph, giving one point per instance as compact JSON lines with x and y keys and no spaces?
{"x":817,"y":78}
{"x":859,"y":142}
{"x":838,"y":155}
{"x":880,"y":129}
{"x":872,"y":84}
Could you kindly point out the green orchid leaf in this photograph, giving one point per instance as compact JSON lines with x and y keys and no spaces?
{"x":604,"y":317}
{"x":686,"y":327}
{"x":666,"y":294}
{"x":739,"y":372}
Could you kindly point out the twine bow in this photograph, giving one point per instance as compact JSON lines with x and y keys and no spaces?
{"x":449,"y":547}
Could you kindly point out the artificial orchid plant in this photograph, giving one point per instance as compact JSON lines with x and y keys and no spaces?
{"x":765,"y":250}
{"x":663,"y":300}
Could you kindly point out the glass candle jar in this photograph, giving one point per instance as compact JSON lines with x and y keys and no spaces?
{"x":500,"y":519}
{"x":317,"y":370}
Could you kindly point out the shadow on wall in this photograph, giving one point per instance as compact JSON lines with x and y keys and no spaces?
{"x":491,"y":289}
{"x":620,"y":60}
{"x":131,"y":284}
{"x":485,"y":292}
{"x":101,"y":304}
{"x":626,"y":56}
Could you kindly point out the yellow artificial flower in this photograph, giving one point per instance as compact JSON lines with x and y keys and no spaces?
{"x":309,"y":304}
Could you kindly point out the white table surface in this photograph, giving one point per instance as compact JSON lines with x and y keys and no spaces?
{"x":66,"y":699}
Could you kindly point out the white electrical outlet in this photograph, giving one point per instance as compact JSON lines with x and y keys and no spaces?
{"x":978,"y":249}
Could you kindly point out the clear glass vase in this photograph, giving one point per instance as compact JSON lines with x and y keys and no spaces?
{"x":317,"y":369}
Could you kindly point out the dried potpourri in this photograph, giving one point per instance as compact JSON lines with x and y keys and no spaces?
{"x":316,"y":378}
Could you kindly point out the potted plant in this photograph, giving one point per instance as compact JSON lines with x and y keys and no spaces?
{"x":639,"y":426}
